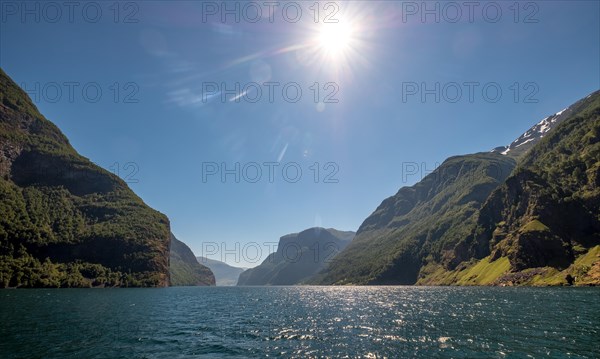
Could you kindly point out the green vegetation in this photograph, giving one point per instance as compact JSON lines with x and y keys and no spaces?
{"x":534,"y":226}
{"x":484,"y":272}
{"x":422,"y":225}
{"x":184,"y":267}
{"x":547,"y":213}
{"x":585,"y":270}
{"x":63,"y":220}
{"x":27,"y":271}
{"x":476,"y":221}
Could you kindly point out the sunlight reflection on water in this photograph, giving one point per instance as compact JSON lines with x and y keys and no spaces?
{"x":300,"y":322}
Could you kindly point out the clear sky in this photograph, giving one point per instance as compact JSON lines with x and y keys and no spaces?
{"x":398,"y":85}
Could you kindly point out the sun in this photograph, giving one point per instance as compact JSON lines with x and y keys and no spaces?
{"x":338,"y":44}
{"x":335,"y":39}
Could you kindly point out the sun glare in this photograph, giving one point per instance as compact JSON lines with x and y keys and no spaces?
{"x":335,"y":39}
{"x":338,"y":44}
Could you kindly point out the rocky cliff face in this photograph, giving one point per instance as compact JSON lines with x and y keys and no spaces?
{"x":298,"y":257}
{"x":63,"y":220}
{"x":547,"y":213}
{"x":185,"y":269}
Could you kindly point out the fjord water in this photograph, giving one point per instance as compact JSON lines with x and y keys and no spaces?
{"x":396,"y":322}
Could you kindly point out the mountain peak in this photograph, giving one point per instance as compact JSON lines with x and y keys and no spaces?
{"x":534,"y":134}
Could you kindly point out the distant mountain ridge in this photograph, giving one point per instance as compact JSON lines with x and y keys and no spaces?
{"x":225,"y":274}
{"x":298,"y":257}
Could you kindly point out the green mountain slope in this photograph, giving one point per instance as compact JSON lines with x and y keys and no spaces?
{"x":298,"y":257}
{"x":185,"y":269}
{"x":63,"y":220}
{"x":225,"y":275}
{"x":429,"y":221}
{"x":546,"y":215}
{"x":470,"y":224}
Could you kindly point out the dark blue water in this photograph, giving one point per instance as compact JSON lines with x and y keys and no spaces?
{"x":395,"y":322}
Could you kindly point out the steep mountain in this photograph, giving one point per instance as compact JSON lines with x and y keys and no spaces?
{"x":298,"y":257}
{"x":185,"y":269}
{"x":225,"y":274}
{"x":545,"y":219}
{"x":537,"y":224}
{"x":65,"y":222}
{"x":424,"y":222}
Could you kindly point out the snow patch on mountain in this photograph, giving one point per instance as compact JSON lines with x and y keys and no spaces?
{"x":522,"y":143}
{"x":534,"y":134}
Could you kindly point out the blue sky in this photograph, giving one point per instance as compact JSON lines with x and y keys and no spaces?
{"x":167,"y":128}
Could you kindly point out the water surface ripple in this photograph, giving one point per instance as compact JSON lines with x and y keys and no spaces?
{"x":256,"y":322}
